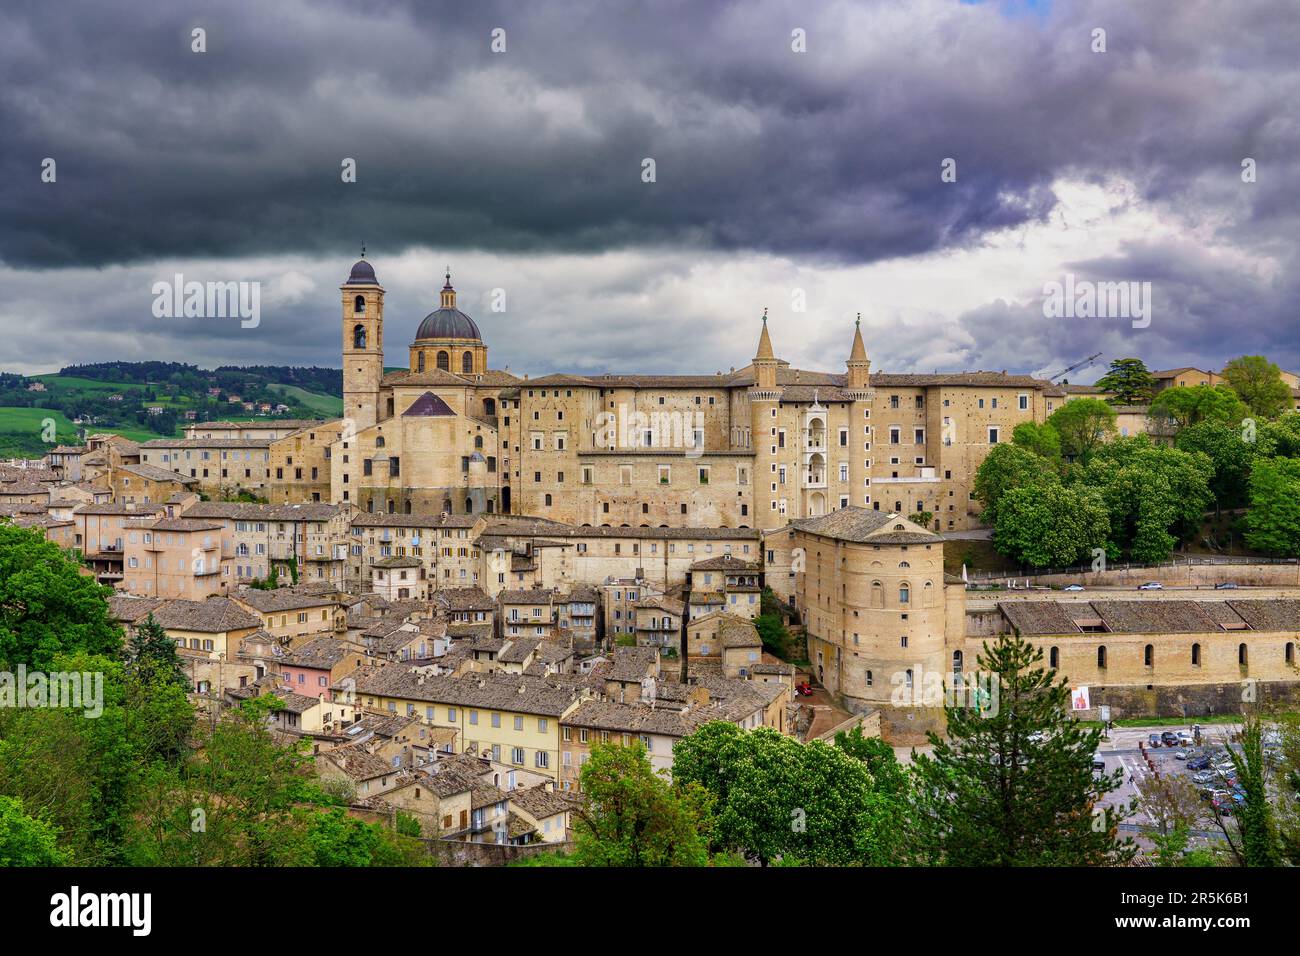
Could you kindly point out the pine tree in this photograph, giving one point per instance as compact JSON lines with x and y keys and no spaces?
{"x":151,"y":653}
{"x":1012,"y":784}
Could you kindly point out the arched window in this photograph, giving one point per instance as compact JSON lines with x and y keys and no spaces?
{"x":379,"y":441}
{"x":1054,"y":658}
{"x":469,"y":506}
{"x":370,"y":505}
{"x":909,"y":678}
{"x":1149,"y":656}
{"x":1101,"y":657}
{"x":444,"y":362}
{"x":478,"y":441}
{"x":956,"y":670}
{"x":391,"y":509}
{"x":446,"y":505}
{"x":548,"y":501}
{"x":467,"y":362}
{"x":904,"y":593}
{"x":877,"y":594}
{"x":904,"y":564}
{"x":1290,"y":652}
{"x":1196,"y":655}
{"x":1241,"y":654}
{"x":359,"y":337}
{"x":359,"y":305}
{"x":870,"y":679}
{"x":407,"y":506}
{"x":419,"y":361}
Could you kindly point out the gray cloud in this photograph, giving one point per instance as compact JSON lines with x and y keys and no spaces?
{"x":820,"y":162}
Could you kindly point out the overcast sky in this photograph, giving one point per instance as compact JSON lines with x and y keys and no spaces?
{"x":782,"y":178}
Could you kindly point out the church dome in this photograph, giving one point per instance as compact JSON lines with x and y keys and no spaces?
{"x":448,"y":322}
{"x":363,"y":273}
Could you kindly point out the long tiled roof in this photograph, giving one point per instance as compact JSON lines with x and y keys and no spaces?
{"x":1155,"y":616}
{"x":215,"y":615}
{"x":489,"y":691}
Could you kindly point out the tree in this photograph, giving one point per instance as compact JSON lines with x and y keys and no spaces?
{"x":1229,"y":453}
{"x":1280,"y":437}
{"x":152,"y":653}
{"x":1273,"y":523}
{"x":1051,"y":525}
{"x":633,"y":817}
{"x":26,"y":841}
{"x":1006,"y":467}
{"x":922,"y":518}
{"x":879,"y":757}
{"x":1156,"y":495}
{"x":47,"y":605}
{"x":1040,"y":439}
{"x":1129,"y":382}
{"x":1258,"y":382}
{"x":1083,"y":424}
{"x":1012,"y":784}
{"x":1254,"y":840}
{"x":1186,"y":405}
{"x":775,"y":798}
{"x":774,"y":634}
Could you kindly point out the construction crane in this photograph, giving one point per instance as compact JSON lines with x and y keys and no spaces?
{"x":1064,"y":372}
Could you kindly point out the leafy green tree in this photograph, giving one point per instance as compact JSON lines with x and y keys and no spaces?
{"x":1186,"y":405}
{"x":887,"y":773}
{"x":1259,"y":384}
{"x":1129,"y":381}
{"x":1280,"y":437}
{"x":1013,"y":784}
{"x":47,"y":606}
{"x":337,"y":839}
{"x":26,"y":841}
{"x":633,"y":817}
{"x":1051,"y":525}
{"x":1084,"y":424}
{"x":1006,"y":467}
{"x":774,"y":634}
{"x":152,"y":653}
{"x":1041,"y":439}
{"x":1273,"y":522}
{"x":777,"y":798}
{"x":1156,"y":495}
{"x":1229,"y":453}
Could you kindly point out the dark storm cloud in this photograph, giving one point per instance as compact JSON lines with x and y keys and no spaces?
{"x":829,"y":158}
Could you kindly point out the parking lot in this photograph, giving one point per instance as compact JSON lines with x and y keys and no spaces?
{"x":1210,"y":770}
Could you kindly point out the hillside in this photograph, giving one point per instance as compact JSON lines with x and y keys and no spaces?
{"x":145,"y":400}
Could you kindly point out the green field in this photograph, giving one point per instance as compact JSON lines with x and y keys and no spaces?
{"x":20,"y":431}
{"x":328,"y":406}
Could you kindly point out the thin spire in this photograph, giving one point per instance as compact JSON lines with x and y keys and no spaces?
{"x":764,"y":342}
{"x":363,"y":250}
{"x":859,"y":353}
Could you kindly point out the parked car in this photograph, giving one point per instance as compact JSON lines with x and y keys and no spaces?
{"x":1225,"y":586}
{"x":805,"y":689}
{"x":1073,"y":587}
{"x":1180,"y":754}
{"x":1153,"y":740}
{"x":1151,"y":586}
{"x":1203,"y":777}
{"x":1169,"y":738}
{"x":1184,"y":739}
{"x":1098,"y":762}
{"x":1199,"y":763}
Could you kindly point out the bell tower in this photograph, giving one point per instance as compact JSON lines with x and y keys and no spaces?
{"x":363,"y":344}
